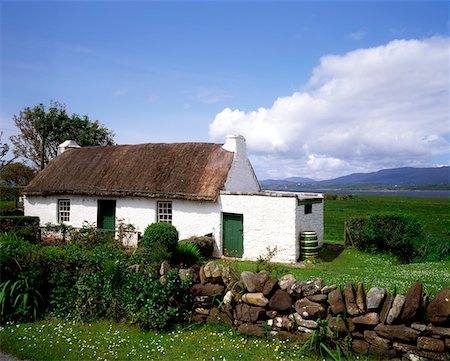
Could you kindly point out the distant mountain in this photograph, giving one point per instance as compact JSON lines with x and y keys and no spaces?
{"x":406,"y":176}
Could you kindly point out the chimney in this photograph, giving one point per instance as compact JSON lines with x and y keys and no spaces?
{"x":68,"y":144}
{"x":235,"y":143}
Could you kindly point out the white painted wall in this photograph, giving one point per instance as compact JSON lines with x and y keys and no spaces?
{"x":312,"y":221}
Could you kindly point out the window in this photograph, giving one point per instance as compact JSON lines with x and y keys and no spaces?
{"x":63,"y":210}
{"x":308,"y":208}
{"x":165,"y":212}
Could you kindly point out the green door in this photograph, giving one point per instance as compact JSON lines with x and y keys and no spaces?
{"x":106,"y":215}
{"x":233,"y":236}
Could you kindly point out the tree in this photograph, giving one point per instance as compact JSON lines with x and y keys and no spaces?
{"x":4,"y":149}
{"x":16,"y":175}
{"x":41,"y":131}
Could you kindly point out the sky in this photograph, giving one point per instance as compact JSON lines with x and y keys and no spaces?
{"x":319,"y":89}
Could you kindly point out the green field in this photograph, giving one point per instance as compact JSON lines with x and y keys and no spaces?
{"x":432,"y":213}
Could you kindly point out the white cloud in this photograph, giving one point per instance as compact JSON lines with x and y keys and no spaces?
{"x":368,"y":109}
{"x":358,"y":35}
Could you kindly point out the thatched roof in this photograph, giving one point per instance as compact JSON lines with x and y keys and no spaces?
{"x":194,"y":171}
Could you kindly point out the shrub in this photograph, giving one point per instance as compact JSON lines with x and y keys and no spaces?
{"x":204,"y":244}
{"x":433,"y":250}
{"x":26,"y":227}
{"x":162,"y":233}
{"x":186,"y":254}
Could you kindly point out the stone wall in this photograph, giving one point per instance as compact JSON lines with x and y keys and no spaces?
{"x":410,"y":325}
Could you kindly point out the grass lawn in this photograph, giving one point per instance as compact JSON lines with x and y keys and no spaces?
{"x":432,"y":213}
{"x":104,"y":340}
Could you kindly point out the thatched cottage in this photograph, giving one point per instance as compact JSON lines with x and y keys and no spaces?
{"x":201,"y":188}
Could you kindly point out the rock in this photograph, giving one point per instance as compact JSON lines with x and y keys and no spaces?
{"x":377,"y":341}
{"x":343,"y":326}
{"x":286,"y":323}
{"x":247,"y":313}
{"x":439,"y":308}
{"x":228,"y":298}
{"x":413,"y":300}
{"x":280,"y":301}
{"x":165,"y":267}
{"x":312,"y":287}
{"x":269,"y":287}
{"x":385,"y":309}
{"x":227,"y":276}
{"x":397,"y":332}
{"x":271,"y":313}
{"x":227,"y":317}
{"x":317,"y":298}
{"x":296,"y":289}
{"x":447,"y":343}
{"x":198,"y":318}
{"x":304,"y":329}
{"x":207,"y":289}
{"x":327,"y":289}
{"x":202,"y":311}
{"x":375,"y":298}
{"x":361,"y":297}
{"x":300,"y":321}
{"x":309,"y":310}
{"x":260,"y":279}
{"x":195,"y":273}
{"x":204,"y":301}
{"x":251,"y":329}
{"x":418,"y":326}
{"x":212,"y":270}
{"x":201,"y":275}
{"x":184,"y":273}
{"x":336,"y":302}
{"x":430,"y":344}
{"x":214,"y":316}
{"x":395,"y":310}
{"x":256,"y":299}
{"x":371,"y":318}
{"x":360,"y":346}
{"x":162,"y":279}
{"x":441,"y":331}
{"x":350,"y":302}
{"x":248,"y":280}
{"x":286,"y":281}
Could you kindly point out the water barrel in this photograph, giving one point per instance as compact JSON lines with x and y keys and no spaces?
{"x":309,"y":245}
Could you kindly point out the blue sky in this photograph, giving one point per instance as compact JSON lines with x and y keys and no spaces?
{"x":319,"y":89}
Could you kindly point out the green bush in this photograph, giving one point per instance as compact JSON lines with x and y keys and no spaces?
{"x":26,"y":227}
{"x":433,"y":250}
{"x":204,"y":244}
{"x":186,"y":255}
{"x":162,"y":233}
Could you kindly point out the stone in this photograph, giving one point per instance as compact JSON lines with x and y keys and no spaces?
{"x":202,"y":311}
{"x":195,"y":273}
{"x":204,"y":301}
{"x":260,"y":279}
{"x":396,"y":309}
{"x":371,"y":319}
{"x":385,"y":309}
{"x":256,"y":299}
{"x":207,"y":289}
{"x":296,"y":289}
{"x":270,"y":287}
{"x":198,"y":318}
{"x":214,"y":317}
{"x":280,"y":301}
{"x":228,"y":298}
{"x":286,"y":323}
{"x":418,"y":326}
{"x":201,"y":275}
{"x":343,"y":326}
{"x":336,"y":302}
{"x":375,"y":340}
{"x":212,"y":270}
{"x":430,"y":344}
{"x":165,"y":267}
{"x":447,"y":343}
{"x":312,"y":287}
{"x":300,"y":321}
{"x":286,"y":281}
{"x":227,"y":317}
{"x":441,"y":331}
{"x":317,"y":298}
{"x":251,"y":329}
{"x":350,"y":302}
{"x":397,"y":332}
{"x":271,"y":313}
{"x":162,"y":279}
{"x":184,"y":273}
{"x":327,"y":289}
{"x":248,"y":280}
{"x":361,"y":297}
{"x":375,"y":298}
{"x":439,"y":308}
{"x":247,"y":313}
{"x":413,"y":300}
{"x":304,"y":329}
{"x":309,"y":310}
{"x":360,"y":346}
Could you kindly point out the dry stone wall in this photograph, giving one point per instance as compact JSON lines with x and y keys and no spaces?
{"x":411,"y":325}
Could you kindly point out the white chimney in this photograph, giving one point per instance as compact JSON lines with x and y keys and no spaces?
{"x":68,"y":144}
{"x":235,"y":143}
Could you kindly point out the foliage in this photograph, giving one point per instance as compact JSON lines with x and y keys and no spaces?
{"x":433,"y":250}
{"x":124,"y":232}
{"x":16,"y":174}
{"x":4,"y":149}
{"x":186,"y":255}
{"x":25,"y":226}
{"x":204,"y":244}
{"x":42,"y":130}
{"x":264,"y":262}
{"x":395,"y":233}
{"x":162,"y":234}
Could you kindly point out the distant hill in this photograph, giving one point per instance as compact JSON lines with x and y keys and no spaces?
{"x":406,"y":176}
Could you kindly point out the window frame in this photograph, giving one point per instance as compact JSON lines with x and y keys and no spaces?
{"x":164,"y":211}
{"x":308,"y":208}
{"x":63,"y":210}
